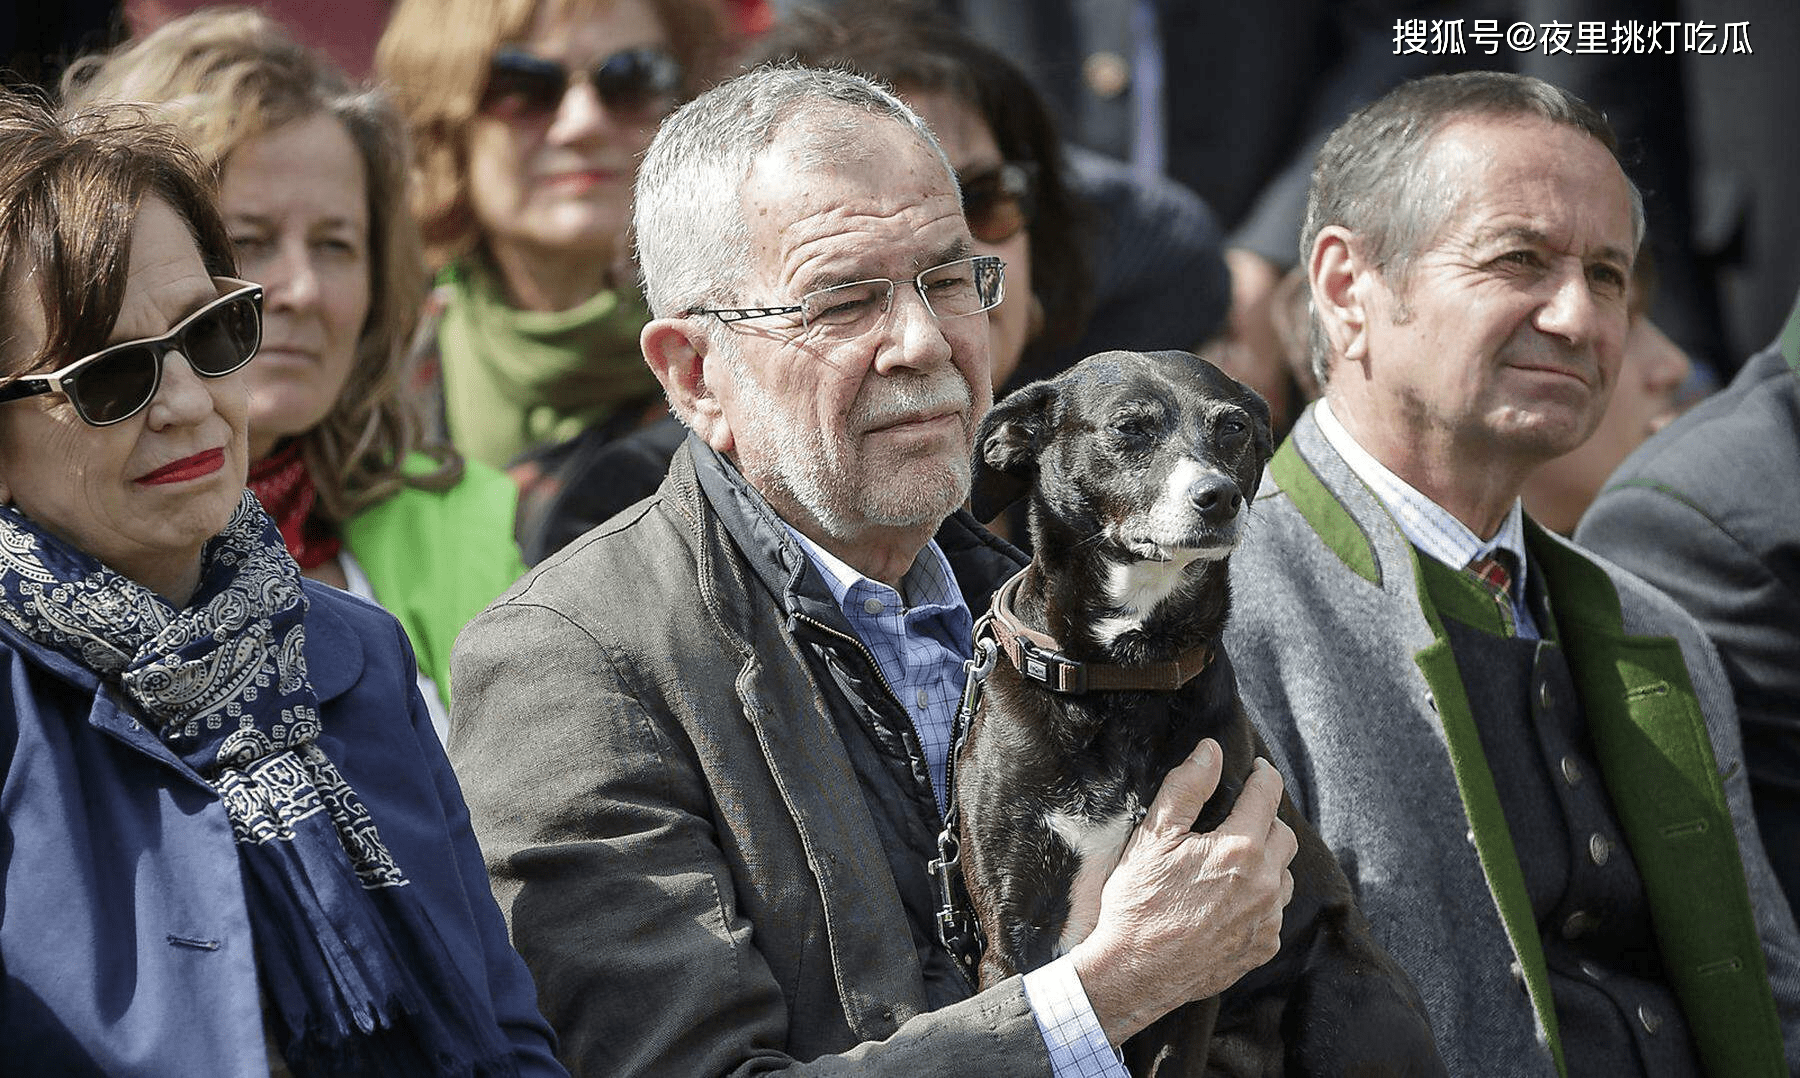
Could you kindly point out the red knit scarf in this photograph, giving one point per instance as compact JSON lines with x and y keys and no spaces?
{"x":281,"y":483}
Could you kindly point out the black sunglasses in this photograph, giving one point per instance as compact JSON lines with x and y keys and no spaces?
{"x":115,"y":383}
{"x":636,"y":84}
{"x":999,"y":201}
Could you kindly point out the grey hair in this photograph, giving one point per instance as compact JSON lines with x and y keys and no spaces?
{"x":693,"y":240}
{"x":1373,"y":175}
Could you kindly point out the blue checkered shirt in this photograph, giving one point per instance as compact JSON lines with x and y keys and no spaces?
{"x":919,"y":648}
{"x":1428,"y":525}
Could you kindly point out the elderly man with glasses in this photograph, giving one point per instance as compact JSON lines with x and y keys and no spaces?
{"x":704,"y":746}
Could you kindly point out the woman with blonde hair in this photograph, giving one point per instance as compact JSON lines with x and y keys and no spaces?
{"x":312,"y":174}
{"x":528,"y":119}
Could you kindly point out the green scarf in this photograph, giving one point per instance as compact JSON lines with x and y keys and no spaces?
{"x":517,"y":379}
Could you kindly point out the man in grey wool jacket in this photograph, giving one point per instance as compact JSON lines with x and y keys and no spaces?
{"x":1527,"y":760}
{"x":704,"y":746}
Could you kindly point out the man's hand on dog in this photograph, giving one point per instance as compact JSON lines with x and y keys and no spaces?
{"x":1186,"y":913}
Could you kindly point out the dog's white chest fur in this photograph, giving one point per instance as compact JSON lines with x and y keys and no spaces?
{"x":1098,"y":845}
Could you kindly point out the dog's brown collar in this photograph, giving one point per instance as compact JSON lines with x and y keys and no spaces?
{"x":1038,"y":657}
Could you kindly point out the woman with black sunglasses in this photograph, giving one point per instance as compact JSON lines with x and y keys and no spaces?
{"x":229,"y":841}
{"x":528,"y":118}
{"x":312,"y":174}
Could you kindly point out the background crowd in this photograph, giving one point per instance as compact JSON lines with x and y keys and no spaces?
{"x":462,"y":368}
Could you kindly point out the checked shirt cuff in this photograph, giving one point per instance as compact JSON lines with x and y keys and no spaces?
{"x":1078,"y":1047}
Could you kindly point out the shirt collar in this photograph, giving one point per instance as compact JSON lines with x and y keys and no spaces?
{"x":928,"y":584}
{"x":1427,"y":524}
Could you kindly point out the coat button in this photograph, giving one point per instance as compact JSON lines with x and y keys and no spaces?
{"x":1599,"y":848}
{"x":1651,"y":1020}
{"x":1592,"y":972}
{"x":1544,"y":695}
{"x":1577,"y":924}
{"x":1571,"y":771}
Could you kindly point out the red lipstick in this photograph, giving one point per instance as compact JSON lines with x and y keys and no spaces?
{"x":186,"y":468}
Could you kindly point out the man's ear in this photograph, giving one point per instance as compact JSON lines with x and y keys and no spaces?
{"x":677,"y":355}
{"x":1007,"y":448}
{"x":1337,"y":273}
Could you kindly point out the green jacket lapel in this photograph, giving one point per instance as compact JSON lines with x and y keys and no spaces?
{"x":1659,"y":769}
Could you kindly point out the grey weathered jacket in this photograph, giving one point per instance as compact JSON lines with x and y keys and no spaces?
{"x":1346,"y":669}
{"x":671,"y":822}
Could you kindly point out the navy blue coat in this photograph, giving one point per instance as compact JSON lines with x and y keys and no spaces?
{"x":124,"y":935}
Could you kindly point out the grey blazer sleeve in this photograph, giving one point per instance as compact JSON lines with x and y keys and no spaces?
{"x":598,"y":825}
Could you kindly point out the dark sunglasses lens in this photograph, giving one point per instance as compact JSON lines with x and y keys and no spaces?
{"x":223,"y":339}
{"x":638,"y":82}
{"x":523,"y":86}
{"x":114,"y":387}
{"x":995,"y":213}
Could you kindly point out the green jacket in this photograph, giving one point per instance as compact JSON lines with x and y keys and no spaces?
{"x":435,"y":559}
{"x":1338,"y":642}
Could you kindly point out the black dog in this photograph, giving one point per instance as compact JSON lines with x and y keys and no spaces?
{"x":1138,"y":468}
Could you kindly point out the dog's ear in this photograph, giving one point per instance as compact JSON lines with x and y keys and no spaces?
{"x":1007,"y":447}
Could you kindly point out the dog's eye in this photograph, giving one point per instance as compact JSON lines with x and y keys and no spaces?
{"x":1233,"y":428}
{"x":1132,"y":428}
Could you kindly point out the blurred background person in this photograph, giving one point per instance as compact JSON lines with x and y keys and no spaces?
{"x":528,"y":119}
{"x":312,"y":175}
{"x":232,"y":844}
{"x":1646,"y":395}
{"x":1095,"y":257}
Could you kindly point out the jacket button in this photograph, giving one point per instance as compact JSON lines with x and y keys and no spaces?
{"x":1571,"y":771}
{"x":1651,"y":1020}
{"x":1599,"y":849}
{"x":1544,"y":696}
{"x":1577,"y":924}
{"x":1592,"y":972}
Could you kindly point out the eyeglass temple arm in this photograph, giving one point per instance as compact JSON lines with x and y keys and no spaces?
{"x":728,"y":314}
{"x":20,"y":388}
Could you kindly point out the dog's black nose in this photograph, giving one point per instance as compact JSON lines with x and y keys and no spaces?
{"x":1216,"y":497}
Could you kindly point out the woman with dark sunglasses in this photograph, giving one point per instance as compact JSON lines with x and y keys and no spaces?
{"x":312,"y":175}
{"x":528,"y":119}
{"x":229,"y":841}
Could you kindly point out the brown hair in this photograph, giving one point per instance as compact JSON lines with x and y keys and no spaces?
{"x":230,"y":75}
{"x":434,"y":56}
{"x":70,"y":191}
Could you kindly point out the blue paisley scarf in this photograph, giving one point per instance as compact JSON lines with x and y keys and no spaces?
{"x":356,"y":979}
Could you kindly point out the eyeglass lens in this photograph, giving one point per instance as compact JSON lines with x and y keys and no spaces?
{"x":215,"y":342}
{"x":998,"y":202}
{"x":638,"y":84}
{"x":953,"y":290}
